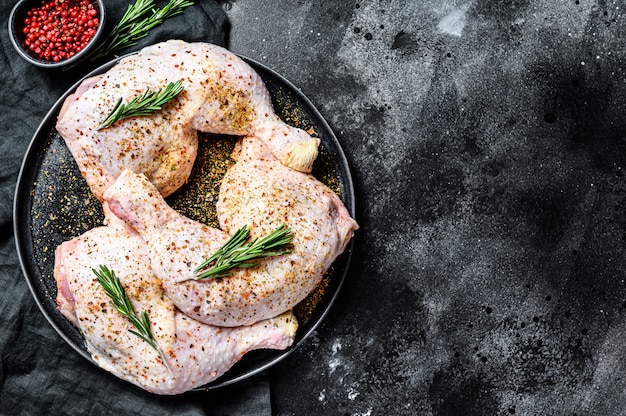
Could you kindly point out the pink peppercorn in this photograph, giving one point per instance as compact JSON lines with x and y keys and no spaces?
{"x":58,"y":29}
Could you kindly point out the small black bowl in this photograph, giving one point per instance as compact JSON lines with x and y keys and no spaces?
{"x":16,"y":19}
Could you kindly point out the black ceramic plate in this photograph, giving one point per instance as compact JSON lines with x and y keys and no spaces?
{"x":53,"y":204}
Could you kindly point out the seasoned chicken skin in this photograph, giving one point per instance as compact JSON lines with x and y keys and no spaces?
{"x":222,"y":95}
{"x":261,"y":193}
{"x":196,"y":353}
{"x":202,"y":326}
{"x":272,"y":195}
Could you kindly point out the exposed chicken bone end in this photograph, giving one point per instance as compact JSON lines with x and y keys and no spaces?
{"x":287,"y":322}
{"x":300,"y":155}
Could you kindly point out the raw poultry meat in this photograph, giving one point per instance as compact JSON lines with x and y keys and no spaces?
{"x":258,"y":192}
{"x":222,"y":95}
{"x":203,"y":326}
{"x":196,"y":353}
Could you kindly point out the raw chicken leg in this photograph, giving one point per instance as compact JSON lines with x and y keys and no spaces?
{"x":260,"y":192}
{"x":196,"y":353}
{"x":222,"y":95}
{"x":320,"y":223}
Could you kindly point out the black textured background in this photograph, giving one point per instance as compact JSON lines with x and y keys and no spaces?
{"x":486,"y":140}
{"x":487,"y":144}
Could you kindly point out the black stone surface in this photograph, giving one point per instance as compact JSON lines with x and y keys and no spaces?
{"x":487,"y":144}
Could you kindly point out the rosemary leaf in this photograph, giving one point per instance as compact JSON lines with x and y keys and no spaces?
{"x":145,"y":104}
{"x":237,"y":252}
{"x":115,"y":291}
{"x":138,"y":20}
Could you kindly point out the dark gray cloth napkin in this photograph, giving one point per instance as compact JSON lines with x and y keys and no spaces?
{"x":40,"y":372}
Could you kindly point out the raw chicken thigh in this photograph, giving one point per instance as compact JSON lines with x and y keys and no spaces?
{"x":222,"y":95}
{"x":196,"y":353}
{"x":262,"y":194}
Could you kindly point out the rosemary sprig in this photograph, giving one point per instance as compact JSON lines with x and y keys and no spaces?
{"x":138,"y":20}
{"x":237,"y":253}
{"x":115,"y":291}
{"x":145,"y":104}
